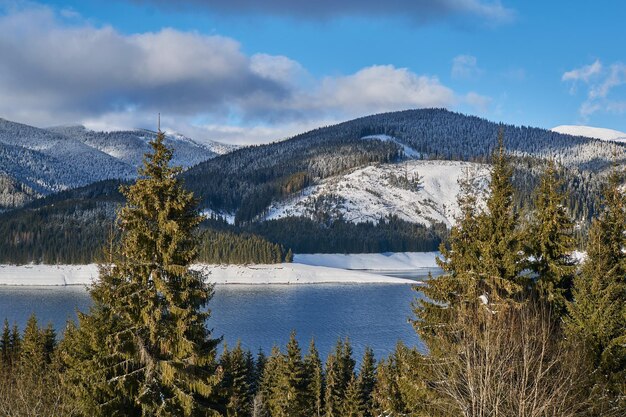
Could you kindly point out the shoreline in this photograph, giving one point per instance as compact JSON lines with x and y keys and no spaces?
{"x":305,"y":270}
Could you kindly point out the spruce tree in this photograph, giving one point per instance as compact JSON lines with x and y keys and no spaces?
{"x":339,"y":372}
{"x":33,"y":354}
{"x":352,"y":405}
{"x":551,"y":242}
{"x":597,"y":315}
{"x":235,"y":385}
{"x":5,"y":345}
{"x":144,"y":348}
{"x":315,"y":396}
{"x":499,"y":244}
{"x":295,"y":381}
{"x":367,"y":381}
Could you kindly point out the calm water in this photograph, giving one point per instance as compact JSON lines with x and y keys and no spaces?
{"x":261,"y":316}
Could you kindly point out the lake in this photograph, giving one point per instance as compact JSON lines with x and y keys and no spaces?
{"x":262,"y":315}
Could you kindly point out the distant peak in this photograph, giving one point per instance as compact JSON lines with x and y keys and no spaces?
{"x":591,"y":132}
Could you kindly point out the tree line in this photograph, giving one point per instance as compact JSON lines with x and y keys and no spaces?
{"x":513,"y":327}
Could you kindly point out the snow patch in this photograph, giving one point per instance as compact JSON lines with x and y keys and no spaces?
{"x":408,"y":151}
{"x":208,"y":213}
{"x":592,"y":132}
{"x":288,"y":273}
{"x":374,"y":192}
{"x":389,"y":261}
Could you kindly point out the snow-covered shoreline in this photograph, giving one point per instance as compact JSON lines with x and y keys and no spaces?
{"x":389,"y":261}
{"x":306,"y":269}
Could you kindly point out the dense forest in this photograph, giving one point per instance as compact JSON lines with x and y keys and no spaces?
{"x":513,"y":327}
{"x":71,"y":226}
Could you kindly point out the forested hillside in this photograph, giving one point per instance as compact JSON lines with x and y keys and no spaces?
{"x":379,"y":183}
{"x":246,"y":181}
{"x":35,"y":162}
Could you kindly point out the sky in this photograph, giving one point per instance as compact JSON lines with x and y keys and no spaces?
{"x":248,"y":71}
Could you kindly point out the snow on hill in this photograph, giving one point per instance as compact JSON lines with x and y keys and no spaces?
{"x":35,"y":161}
{"x":591,"y":132}
{"x":408,"y":151}
{"x":416,"y":191}
{"x":129,"y":146}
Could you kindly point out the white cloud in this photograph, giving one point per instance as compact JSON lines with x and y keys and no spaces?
{"x":382,"y":88}
{"x":465,"y":67}
{"x":478,"y":102}
{"x":601,"y":83}
{"x":583,"y":73}
{"x":54,"y":72}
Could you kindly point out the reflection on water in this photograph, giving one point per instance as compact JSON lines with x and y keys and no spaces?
{"x":261,"y":316}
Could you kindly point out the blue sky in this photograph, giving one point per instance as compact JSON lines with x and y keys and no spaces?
{"x":230,"y":70}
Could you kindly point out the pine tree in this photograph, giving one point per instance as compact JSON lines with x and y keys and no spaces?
{"x":339,"y":372}
{"x":49,"y":341}
{"x":551,"y":242}
{"x":5,"y":345}
{"x":315,"y":396}
{"x":367,"y":381}
{"x":386,"y":397}
{"x":352,"y":405}
{"x":295,"y":380}
{"x":499,"y":245}
{"x":235,"y":384}
{"x":33,"y":354}
{"x":16,"y":343}
{"x":597,"y":315}
{"x":144,"y":348}
{"x":266,"y":401}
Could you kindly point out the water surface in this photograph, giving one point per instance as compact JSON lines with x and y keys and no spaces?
{"x":261,"y":316}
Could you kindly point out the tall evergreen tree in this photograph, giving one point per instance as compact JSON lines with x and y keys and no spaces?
{"x":313,"y":366}
{"x":499,"y":244}
{"x":597,"y":315}
{"x":235,"y":384}
{"x":551,"y":241}
{"x":144,"y":348}
{"x":352,"y":405}
{"x":5,"y":345}
{"x":339,"y":372}
{"x":367,"y":381}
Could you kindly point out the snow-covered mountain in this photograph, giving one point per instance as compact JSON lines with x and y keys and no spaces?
{"x":416,"y":191}
{"x":129,"y":146}
{"x":591,"y":132}
{"x":35,"y":161}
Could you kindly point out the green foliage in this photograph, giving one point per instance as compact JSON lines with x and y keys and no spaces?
{"x":315,"y":372}
{"x":236,"y":389}
{"x":29,"y":373}
{"x":223,"y":247}
{"x":550,"y":242}
{"x":597,"y":315}
{"x":144,"y":347}
{"x":390,"y":234}
{"x":367,"y":381}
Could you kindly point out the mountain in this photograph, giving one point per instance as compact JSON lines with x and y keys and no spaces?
{"x":415,"y":191}
{"x":385,"y":182}
{"x":248,"y":181}
{"x":36,"y":162}
{"x":591,"y":132}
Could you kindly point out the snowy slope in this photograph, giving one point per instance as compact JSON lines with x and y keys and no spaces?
{"x":408,"y":151}
{"x":129,"y":146}
{"x":591,"y":132}
{"x":376,"y":191}
{"x":47,"y":161}
{"x":389,"y":261}
{"x":42,"y":161}
{"x":288,"y":273}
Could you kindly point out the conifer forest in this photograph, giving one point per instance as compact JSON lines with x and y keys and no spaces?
{"x":512,"y":328}
{"x":312,"y":208}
